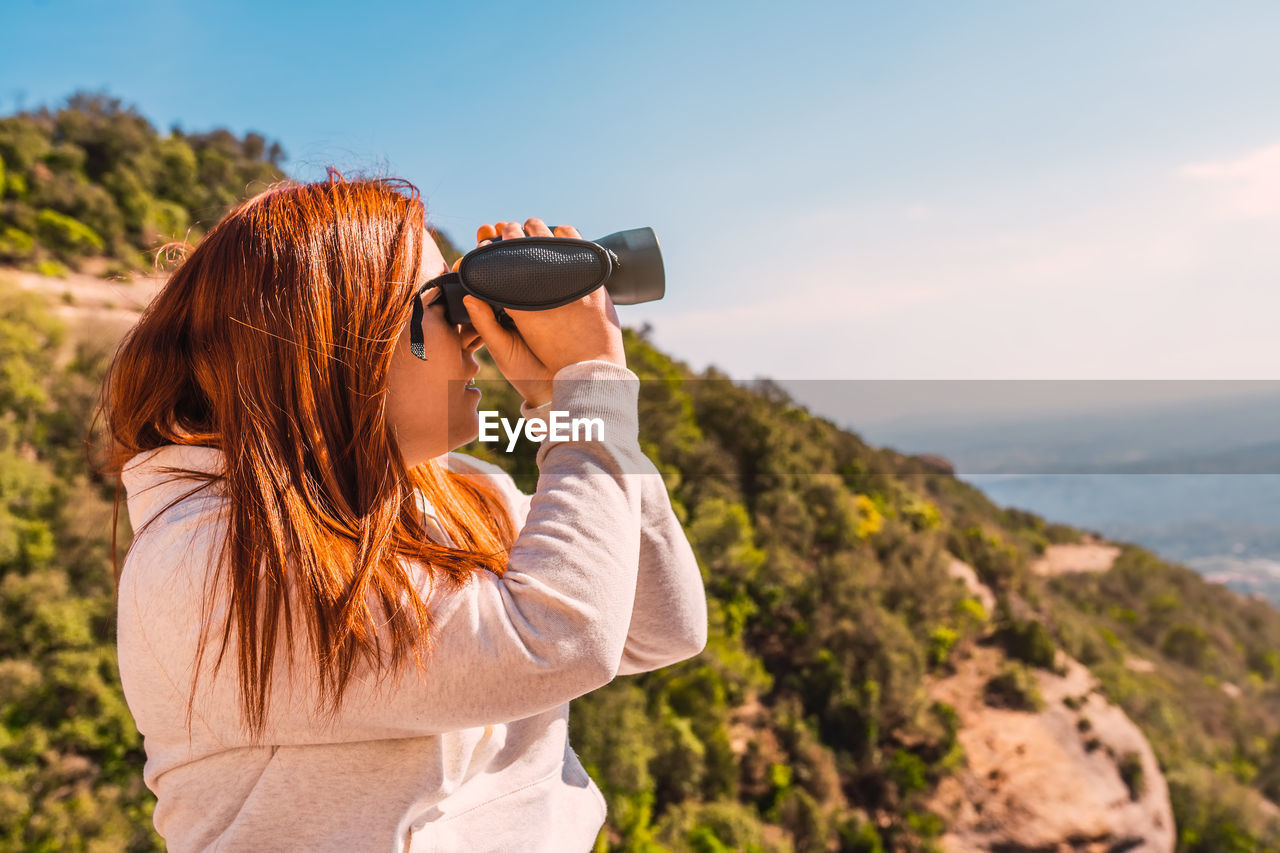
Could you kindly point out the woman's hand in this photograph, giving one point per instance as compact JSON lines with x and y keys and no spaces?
{"x":545,"y":341}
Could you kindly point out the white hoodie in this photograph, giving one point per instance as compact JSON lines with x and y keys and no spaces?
{"x":473,"y":754}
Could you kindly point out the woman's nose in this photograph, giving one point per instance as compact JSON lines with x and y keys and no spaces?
{"x":469,"y":336}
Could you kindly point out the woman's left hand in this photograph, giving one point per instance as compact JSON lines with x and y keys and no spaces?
{"x":524,"y":370}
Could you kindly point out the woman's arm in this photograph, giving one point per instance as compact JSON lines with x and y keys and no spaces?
{"x":669,"y":617}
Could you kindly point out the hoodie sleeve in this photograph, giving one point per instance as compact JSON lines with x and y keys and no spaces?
{"x":669,"y":616}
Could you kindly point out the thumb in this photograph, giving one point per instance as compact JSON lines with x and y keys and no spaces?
{"x":499,"y":341}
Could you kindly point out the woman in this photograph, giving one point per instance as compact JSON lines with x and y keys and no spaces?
{"x":334,"y":634}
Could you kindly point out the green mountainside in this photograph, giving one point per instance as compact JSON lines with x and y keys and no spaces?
{"x":94,"y":178}
{"x":806,"y":725}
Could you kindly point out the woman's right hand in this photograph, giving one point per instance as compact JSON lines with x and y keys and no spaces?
{"x":545,"y":341}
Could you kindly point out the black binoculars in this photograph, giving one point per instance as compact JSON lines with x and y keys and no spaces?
{"x":538,"y":273}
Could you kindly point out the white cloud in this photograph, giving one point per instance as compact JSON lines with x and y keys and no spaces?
{"x":1246,"y":187}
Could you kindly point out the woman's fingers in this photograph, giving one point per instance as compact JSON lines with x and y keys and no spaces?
{"x":536,"y":227}
{"x":533,"y":227}
{"x":517,"y":362}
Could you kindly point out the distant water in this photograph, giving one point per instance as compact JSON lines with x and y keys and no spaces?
{"x":1224,"y":526}
{"x":1196,"y":480}
{"x":1244,"y":574}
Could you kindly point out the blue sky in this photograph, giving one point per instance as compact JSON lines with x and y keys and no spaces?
{"x":1084,"y":190}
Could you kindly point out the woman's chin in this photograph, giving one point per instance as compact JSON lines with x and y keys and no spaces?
{"x":465,"y":430}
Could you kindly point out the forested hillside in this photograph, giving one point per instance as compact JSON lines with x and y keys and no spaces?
{"x":806,"y":725}
{"x":94,"y":179}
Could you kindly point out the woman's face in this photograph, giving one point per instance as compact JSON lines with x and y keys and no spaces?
{"x":429,"y":406}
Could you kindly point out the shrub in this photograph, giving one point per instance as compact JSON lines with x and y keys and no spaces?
{"x":68,"y":238}
{"x":1110,"y":638}
{"x":908,"y":772}
{"x":16,"y":244}
{"x":1028,"y":641}
{"x":804,"y":819}
{"x":921,"y":515}
{"x":1132,"y":774}
{"x":859,"y":837}
{"x":927,"y":824}
{"x":1186,"y":644}
{"x":715,"y":827}
{"x":971,"y":611}
{"x":941,"y":641}
{"x":1216,"y":814}
{"x":997,"y":563}
{"x":1014,"y":687}
{"x":165,"y":220}
{"x":52,"y":269}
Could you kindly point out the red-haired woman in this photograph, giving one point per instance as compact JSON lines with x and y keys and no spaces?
{"x":334,"y":633}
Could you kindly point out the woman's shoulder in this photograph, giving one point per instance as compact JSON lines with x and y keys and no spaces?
{"x":461,"y":463}
{"x":154,"y":478}
{"x":176,"y":515}
{"x":489,"y":474}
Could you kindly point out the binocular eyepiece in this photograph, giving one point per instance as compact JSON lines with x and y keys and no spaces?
{"x":538,"y":273}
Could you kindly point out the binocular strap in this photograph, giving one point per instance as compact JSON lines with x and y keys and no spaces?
{"x":417,"y":345}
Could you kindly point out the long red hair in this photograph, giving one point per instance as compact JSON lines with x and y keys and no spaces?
{"x":272,"y":342}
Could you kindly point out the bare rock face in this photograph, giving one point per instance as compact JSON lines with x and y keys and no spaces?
{"x":939,"y":464}
{"x":1088,"y":556}
{"x":1075,"y":776}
